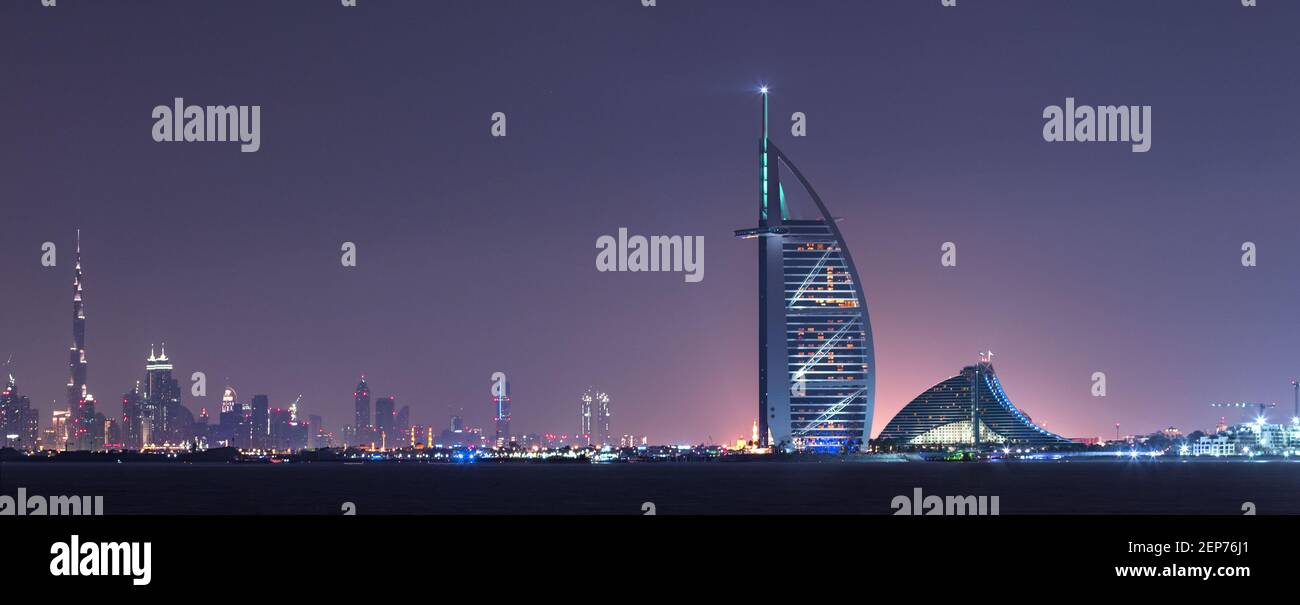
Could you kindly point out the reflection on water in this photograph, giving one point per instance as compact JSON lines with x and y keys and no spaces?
{"x":1167,"y":486}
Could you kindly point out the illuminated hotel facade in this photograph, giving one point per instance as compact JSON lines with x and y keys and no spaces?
{"x":816,"y":369}
{"x":946,"y":414}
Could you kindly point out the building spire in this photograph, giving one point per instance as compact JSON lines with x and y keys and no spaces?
{"x":763,"y":159}
{"x":78,"y":394}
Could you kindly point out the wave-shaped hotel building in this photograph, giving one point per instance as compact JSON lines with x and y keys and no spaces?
{"x":816,"y":369}
{"x":947,"y":413}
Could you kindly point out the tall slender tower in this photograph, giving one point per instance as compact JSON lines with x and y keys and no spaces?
{"x":361,"y":402}
{"x":88,"y":429}
{"x":816,"y":357}
{"x":584,"y":416}
{"x":133,"y":420}
{"x":77,"y":354}
{"x":594,"y":414}
{"x":1295,"y":388}
{"x":501,"y":403}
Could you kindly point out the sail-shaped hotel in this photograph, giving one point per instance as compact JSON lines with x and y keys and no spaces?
{"x":816,"y":359}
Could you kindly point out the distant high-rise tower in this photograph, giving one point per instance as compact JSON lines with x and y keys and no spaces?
{"x":77,"y":354}
{"x":8,"y":411}
{"x":361,"y":398}
{"x":133,"y":420}
{"x":229,"y":400}
{"x":384,"y":419}
{"x":261,"y":419}
{"x":317,"y":437}
{"x":29,"y":418}
{"x":89,"y":426}
{"x":402,"y":421}
{"x":78,"y":394}
{"x":61,"y":425}
{"x":501,"y":401}
{"x":594,"y":415}
{"x":584,"y":417}
{"x":162,"y":397}
{"x":16,"y":418}
{"x":1295,"y":386}
{"x":231,"y":430}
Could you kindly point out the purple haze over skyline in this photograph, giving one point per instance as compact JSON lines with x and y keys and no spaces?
{"x":477,"y":254}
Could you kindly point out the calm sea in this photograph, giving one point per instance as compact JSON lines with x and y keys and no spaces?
{"x":1165,"y":486}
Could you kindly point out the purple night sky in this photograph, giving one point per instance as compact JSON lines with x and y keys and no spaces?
{"x":476,"y":254}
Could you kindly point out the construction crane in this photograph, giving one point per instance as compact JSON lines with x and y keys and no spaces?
{"x":1245,"y":404}
{"x":293,"y":409}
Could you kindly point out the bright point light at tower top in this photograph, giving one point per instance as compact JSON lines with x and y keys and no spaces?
{"x":762,"y":90}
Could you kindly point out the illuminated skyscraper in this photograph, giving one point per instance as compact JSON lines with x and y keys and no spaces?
{"x":19,"y":425}
{"x":261,"y":421}
{"x":30,"y":421}
{"x":84,"y":429}
{"x":77,"y":354}
{"x":162,"y":397}
{"x":816,"y":358}
{"x":361,"y":400}
{"x":230,"y":400}
{"x":61,"y":430}
{"x":594,"y":412}
{"x":501,"y":403}
{"x":8,"y":412}
{"x":231,"y":430}
{"x":285,"y":432}
{"x":88,"y":432}
{"x":133,"y":419}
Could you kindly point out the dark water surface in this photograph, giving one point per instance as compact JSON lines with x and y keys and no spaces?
{"x":1080,"y":487}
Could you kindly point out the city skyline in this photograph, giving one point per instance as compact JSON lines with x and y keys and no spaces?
{"x":147,"y":413}
{"x":1082,"y":258}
